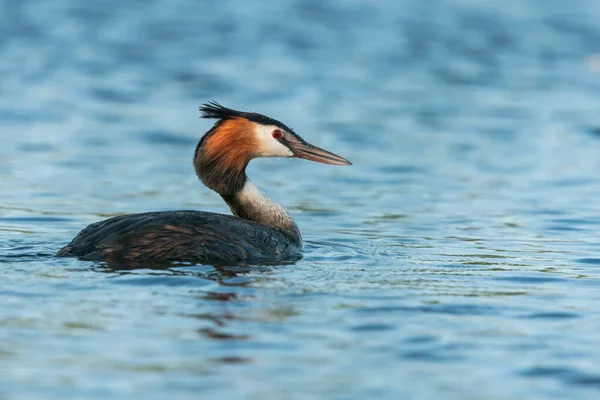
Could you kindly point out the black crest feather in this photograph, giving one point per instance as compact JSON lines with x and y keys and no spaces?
{"x":212,"y":109}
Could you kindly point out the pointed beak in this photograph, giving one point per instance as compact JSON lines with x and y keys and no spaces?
{"x":314,"y":153}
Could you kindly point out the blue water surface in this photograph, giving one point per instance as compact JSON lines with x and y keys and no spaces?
{"x":457,"y":259}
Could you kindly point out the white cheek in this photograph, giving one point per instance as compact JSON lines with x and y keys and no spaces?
{"x":269,"y":146}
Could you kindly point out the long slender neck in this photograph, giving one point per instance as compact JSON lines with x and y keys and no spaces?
{"x":244,"y":199}
{"x":252,"y":204}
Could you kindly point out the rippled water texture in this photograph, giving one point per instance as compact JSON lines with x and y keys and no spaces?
{"x":458,"y":258}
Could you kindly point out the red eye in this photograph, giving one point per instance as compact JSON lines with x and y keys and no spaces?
{"x":277,"y":134}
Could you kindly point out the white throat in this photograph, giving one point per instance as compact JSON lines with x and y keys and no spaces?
{"x":251,"y":203}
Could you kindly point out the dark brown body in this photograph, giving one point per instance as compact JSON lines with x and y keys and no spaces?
{"x":193,"y":236}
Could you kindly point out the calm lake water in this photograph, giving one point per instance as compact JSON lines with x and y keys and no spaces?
{"x":458,"y":258}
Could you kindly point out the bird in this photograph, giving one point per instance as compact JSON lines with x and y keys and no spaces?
{"x":259,"y":229}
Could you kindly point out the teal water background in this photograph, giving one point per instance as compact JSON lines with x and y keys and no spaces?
{"x":457,"y":259}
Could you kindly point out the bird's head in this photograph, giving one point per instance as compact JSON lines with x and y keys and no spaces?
{"x":237,"y":137}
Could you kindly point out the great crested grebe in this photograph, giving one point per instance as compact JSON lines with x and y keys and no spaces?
{"x":261,"y":228}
